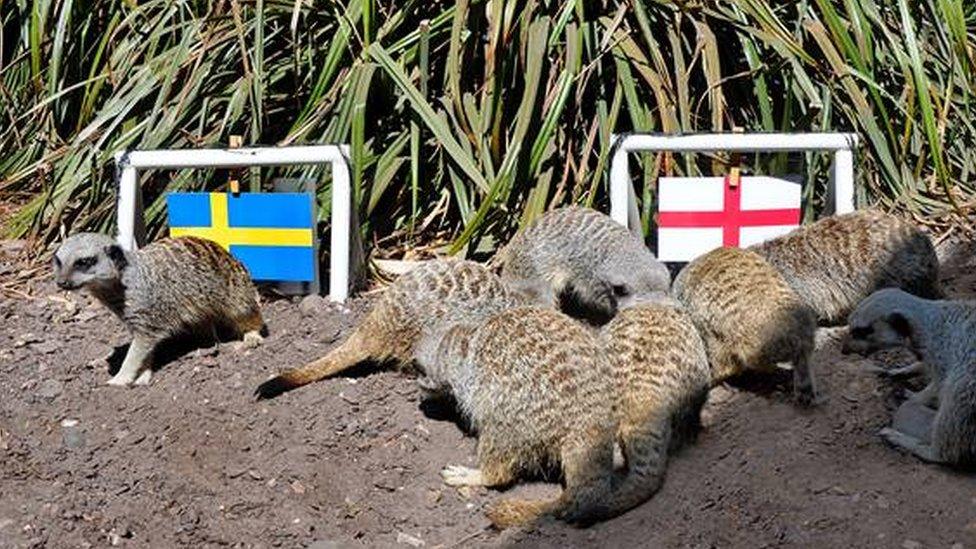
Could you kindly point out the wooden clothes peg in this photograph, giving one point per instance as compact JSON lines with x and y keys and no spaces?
{"x":234,"y":183}
{"x":734,"y":176}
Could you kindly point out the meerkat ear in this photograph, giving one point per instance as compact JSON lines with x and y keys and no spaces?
{"x":900,"y":324}
{"x":117,"y":255}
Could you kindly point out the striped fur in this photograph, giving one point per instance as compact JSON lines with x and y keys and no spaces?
{"x":437,"y":291}
{"x":170,"y":287}
{"x":540,"y":388}
{"x":748,"y":316}
{"x":662,"y":379}
{"x":838,"y":261}
{"x":584,"y":262}
{"x":536,"y":386}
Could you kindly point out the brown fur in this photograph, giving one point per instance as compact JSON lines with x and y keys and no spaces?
{"x":748,"y":316}
{"x":536,"y":386}
{"x":583,"y":262}
{"x":838,"y":261}
{"x":435,"y":292}
{"x":171,"y":286}
{"x":541,"y":388}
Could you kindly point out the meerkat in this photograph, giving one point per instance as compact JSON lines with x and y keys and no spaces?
{"x":661,"y":369}
{"x":172,"y":286}
{"x":410,"y":308}
{"x":748,"y":316}
{"x":838,"y":261}
{"x":942,"y":334}
{"x":537,"y":387}
{"x":582,"y":261}
{"x":540,"y":388}
{"x":661,"y":374}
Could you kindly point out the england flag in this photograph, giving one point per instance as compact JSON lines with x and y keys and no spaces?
{"x":699,"y":214}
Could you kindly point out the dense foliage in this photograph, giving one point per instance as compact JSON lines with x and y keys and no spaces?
{"x":467,"y":118}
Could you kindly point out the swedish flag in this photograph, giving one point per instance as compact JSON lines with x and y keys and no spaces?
{"x":272,"y":234}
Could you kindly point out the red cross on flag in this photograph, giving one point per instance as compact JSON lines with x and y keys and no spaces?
{"x":698,"y":214}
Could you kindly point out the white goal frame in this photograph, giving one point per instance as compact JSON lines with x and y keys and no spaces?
{"x":131,"y":223}
{"x":841,"y":144}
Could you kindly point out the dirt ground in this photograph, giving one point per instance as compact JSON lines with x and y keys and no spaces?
{"x":194,"y":460}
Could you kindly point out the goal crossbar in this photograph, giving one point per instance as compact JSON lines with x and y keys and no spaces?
{"x":131,"y":224}
{"x":842,"y":146}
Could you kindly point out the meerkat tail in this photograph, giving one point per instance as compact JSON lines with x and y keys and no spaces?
{"x":512,"y":512}
{"x":587,"y":467}
{"x":353,"y":351}
{"x":646,"y":445}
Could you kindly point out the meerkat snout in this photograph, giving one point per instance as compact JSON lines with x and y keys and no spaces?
{"x":87,"y":259}
{"x":878,"y":323}
{"x":628,"y":294}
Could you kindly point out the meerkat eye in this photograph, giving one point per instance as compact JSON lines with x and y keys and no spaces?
{"x":620,"y":290}
{"x":85,"y":263}
{"x":861,"y":332}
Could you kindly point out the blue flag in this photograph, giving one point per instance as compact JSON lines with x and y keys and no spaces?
{"x":272,"y":234}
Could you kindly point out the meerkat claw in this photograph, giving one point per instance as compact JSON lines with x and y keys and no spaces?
{"x":459,"y":475}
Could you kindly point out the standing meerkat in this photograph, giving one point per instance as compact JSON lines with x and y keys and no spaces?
{"x":410,"y":308}
{"x":748,"y":316}
{"x":583,"y":262}
{"x":942,"y":334}
{"x":172,"y":286}
{"x":536,"y":386}
{"x":838,"y":261}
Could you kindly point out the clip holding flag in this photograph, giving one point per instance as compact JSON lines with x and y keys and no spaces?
{"x":734,"y":177}
{"x":234,"y":183}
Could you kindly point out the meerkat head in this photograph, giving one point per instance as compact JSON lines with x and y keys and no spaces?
{"x":634,"y":278}
{"x":885,"y":319}
{"x":88,"y":260}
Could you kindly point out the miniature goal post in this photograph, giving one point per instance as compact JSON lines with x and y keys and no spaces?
{"x":131,"y":224}
{"x":840,"y":144}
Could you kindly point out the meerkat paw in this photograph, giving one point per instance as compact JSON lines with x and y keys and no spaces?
{"x":120,"y":381}
{"x":910,"y":444}
{"x":252,"y":339}
{"x":929,"y":396}
{"x":459,"y":475}
{"x":144,"y":378}
{"x":806,"y":396}
{"x":875,"y":369}
{"x":915,"y":368}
